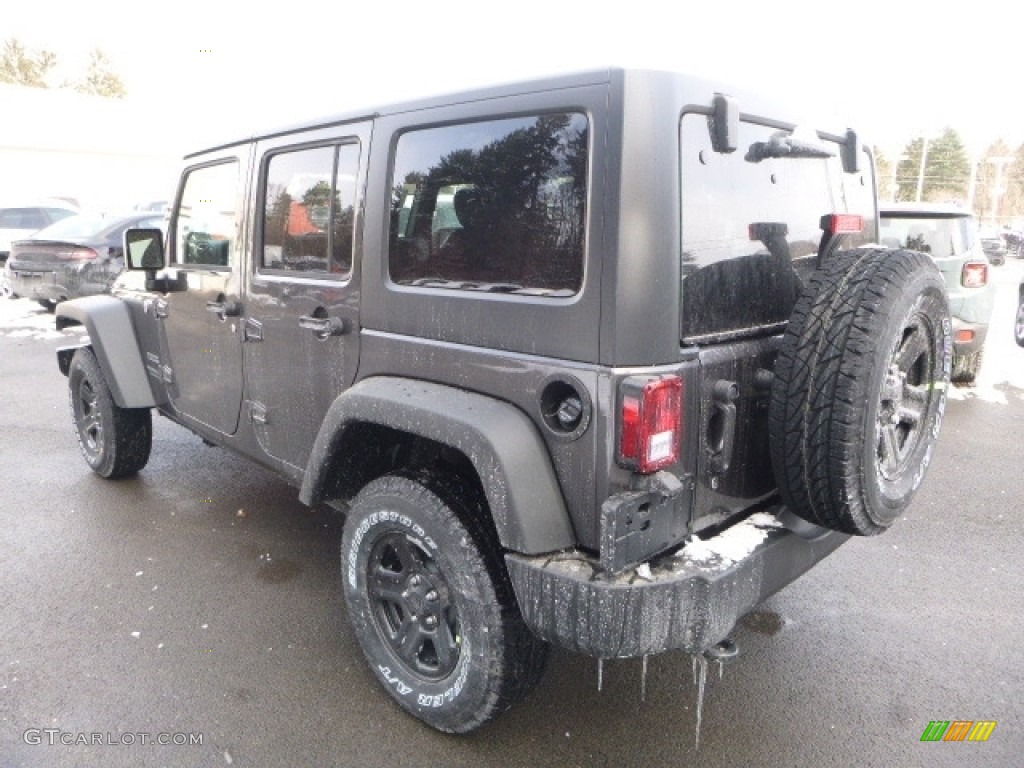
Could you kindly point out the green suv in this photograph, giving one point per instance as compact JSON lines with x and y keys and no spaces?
{"x":949,"y":235}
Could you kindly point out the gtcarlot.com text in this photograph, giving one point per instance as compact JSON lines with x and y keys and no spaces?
{"x":57,"y":737}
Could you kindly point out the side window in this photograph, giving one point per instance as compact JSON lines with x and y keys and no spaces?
{"x":750,"y":223}
{"x":207,"y":220}
{"x":498,"y":205}
{"x":309,"y":210}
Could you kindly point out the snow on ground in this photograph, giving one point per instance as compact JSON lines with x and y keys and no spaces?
{"x":24,"y":318}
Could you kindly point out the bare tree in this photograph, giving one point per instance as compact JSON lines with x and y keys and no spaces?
{"x":21,"y":67}
{"x":99,"y":79}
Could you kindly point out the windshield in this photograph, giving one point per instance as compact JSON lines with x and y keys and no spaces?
{"x":942,"y":237}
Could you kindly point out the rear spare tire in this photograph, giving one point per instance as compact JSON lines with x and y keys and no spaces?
{"x":860,"y":389}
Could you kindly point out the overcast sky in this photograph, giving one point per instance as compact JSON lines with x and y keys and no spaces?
{"x":898,"y":69}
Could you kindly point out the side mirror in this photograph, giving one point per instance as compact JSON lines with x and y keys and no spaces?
{"x":144,"y":249}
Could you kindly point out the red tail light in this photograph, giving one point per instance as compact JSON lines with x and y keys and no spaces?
{"x":843,"y":223}
{"x":974,"y":275}
{"x":651,"y":422}
{"x":77,"y":254}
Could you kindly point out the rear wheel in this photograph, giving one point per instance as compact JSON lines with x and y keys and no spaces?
{"x":860,"y":389}
{"x":115,"y":441}
{"x":431,"y":603}
{"x":966,"y":367}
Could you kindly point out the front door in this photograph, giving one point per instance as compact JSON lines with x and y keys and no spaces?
{"x":201,"y":314}
{"x":301,"y":319}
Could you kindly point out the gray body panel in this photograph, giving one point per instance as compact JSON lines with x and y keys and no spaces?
{"x":112,"y":336}
{"x":498,"y":439}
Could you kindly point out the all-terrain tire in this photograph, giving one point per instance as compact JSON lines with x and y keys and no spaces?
{"x":860,"y":389}
{"x":114,"y":441}
{"x":431,"y":603}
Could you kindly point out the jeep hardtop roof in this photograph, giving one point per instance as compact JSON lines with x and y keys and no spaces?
{"x":750,"y":101}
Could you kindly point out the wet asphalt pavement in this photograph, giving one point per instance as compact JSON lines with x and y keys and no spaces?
{"x":201,"y":601}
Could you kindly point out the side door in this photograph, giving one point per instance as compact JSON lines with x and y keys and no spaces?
{"x":201,"y":313}
{"x":302,"y":309}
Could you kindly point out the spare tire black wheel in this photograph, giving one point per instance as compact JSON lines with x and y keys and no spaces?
{"x":860,"y":389}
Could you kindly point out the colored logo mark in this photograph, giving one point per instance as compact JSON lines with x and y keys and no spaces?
{"x":958,"y":730}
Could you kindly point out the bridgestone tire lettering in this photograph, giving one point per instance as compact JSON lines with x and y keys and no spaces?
{"x":431,"y":604}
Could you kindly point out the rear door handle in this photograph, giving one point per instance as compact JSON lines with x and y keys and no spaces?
{"x":324,"y":327}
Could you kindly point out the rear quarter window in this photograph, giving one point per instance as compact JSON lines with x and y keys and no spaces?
{"x":496,"y":205}
{"x":750,"y":225}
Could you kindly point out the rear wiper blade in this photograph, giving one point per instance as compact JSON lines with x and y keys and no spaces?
{"x":784,"y":145}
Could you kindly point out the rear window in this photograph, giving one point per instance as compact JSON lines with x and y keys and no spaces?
{"x":941,"y":236}
{"x":496,"y":205}
{"x":750,"y":224}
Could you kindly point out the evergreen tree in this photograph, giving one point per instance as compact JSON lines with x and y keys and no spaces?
{"x":947,"y":169}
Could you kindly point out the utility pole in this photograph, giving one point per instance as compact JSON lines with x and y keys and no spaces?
{"x":997,"y":188}
{"x":920,"y":169}
{"x":972,"y":188}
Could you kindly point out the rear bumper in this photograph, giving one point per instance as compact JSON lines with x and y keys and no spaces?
{"x":37,"y":285}
{"x":691,"y":601}
{"x":979,"y":332}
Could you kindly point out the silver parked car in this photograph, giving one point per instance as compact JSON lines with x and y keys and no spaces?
{"x":78,"y":256}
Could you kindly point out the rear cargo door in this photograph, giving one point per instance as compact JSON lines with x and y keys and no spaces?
{"x":750,"y":235}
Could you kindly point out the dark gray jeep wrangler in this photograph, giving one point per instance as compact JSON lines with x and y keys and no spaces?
{"x":600,"y":360}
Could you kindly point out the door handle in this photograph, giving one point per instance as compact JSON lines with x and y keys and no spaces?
{"x":724,"y":396}
{"x":223,"y":308}
{"x":324,"y":327}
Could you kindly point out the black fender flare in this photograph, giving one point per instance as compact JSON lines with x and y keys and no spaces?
{"x":500,"y":441}
{"x":108,"y":322}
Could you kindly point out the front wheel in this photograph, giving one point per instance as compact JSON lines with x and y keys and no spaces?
{"x":114,"y":441}
{"x":431,"y":603}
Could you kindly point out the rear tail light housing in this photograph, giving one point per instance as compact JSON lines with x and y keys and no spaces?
{"x":842,"y":223}
{"x":77,"y":254}
{"x":974,"y":274}
{"x":650,"y":422}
